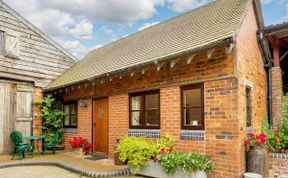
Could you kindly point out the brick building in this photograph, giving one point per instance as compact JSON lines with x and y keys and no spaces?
{"x":199,"y":76}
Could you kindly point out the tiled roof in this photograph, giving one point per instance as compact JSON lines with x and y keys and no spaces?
{"x":196,"y":29}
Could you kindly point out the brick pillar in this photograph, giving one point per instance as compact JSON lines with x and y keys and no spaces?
{"x":276,"y":96}
{"x":118,"y":119}
{"x":170,"y":112}
{"x":37,"y":122}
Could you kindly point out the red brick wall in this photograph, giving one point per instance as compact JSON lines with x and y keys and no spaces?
{"x":279,"y":166}
{"x":222,"y":132}
{"x":170,"y":112}
{"x":276,"y":96}
{"x":118,"y":122}
{"x":84,"y":124}
{"x":250,"y":72}
{"x":38,"y":95}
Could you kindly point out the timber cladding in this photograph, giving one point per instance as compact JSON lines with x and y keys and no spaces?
{"x":15,"y":111}
{"x":29,"y":55}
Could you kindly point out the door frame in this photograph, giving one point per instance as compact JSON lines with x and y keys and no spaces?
{"x":92,"y":119}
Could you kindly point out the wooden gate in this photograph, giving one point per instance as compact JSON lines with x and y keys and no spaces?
{"x":15,"y":111}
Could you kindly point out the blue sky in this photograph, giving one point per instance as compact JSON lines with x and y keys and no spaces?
{"x":83,"y":25}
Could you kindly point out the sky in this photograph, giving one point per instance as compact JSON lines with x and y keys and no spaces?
{"x":83,"y":25}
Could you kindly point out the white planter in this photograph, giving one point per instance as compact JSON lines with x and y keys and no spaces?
{"x":155,"y":170}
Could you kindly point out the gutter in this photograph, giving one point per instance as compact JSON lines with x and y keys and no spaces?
{"x":226,"y":41}
{"x":268,"y":65}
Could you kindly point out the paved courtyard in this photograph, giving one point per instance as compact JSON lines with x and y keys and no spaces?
{"x":53,"y":172}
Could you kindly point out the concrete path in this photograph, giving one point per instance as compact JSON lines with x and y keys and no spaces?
{"x":41,"y":172}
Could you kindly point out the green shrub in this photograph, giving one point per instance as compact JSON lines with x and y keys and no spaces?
{"x":137,"y":151}
{"x":187,"y":161}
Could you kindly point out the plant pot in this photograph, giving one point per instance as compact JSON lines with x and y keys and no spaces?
{"x":79,"y":152}
{"x":155,"y":170}
{"x":256,"y":160}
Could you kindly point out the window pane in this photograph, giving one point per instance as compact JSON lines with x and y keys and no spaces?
{"x":192,"y":97}
{"x":152,"y":101}
{"x":136,"y":103}
{"x":192,"y":116}
{"x":73,"y":109}
{"x":66,"y":120}
{"x":66,"y":109}
{"x":248,"y":107}
{"x":152,"y":117}
{"x":73,"y":120}
{"x":135,"y":118}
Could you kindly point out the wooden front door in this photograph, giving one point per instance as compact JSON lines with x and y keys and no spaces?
{"x":100,"y":126}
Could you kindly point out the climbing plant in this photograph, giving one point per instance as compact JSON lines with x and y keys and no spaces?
{"x":52,"y":117}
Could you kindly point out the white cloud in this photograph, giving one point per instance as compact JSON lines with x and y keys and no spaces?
{"x":106,"y":30}
{"x":123,"y":11}
{"x":180,"y":6}
{"x":83,"y":29}
{"x":75,"y":47}
{"x":51,"y":21}
{"x":285,"y":17}
{"x":96,"y":46}
{"x":146,"y":25}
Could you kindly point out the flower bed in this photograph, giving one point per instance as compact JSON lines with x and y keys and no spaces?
{"x":158,"y":158}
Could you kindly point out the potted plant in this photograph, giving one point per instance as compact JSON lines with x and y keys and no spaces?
{"x":78,"y":144}
{"x":158,"y":158}
{"x":256,"y":155}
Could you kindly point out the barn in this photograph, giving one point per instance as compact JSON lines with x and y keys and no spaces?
{"x":29,"y":61}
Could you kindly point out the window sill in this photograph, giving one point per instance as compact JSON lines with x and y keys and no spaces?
{"x":192,"y":135}
{"x":70,"y":130}
{"x":149,"y":133}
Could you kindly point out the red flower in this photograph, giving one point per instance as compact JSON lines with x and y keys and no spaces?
{"x":250,"y":134}
{"x":258,"y":142}
{"x":276,"y":134}
{"x":170,"y":149}
{"x":262,"y":137}
{"x":155,"y":159}
{"x":247,"y":142}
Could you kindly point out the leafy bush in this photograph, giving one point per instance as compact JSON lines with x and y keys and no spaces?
{"x":189,"y":161}
{"x":137,"y":151}
{"x":52,"y":117}
{"x":166,"y":141}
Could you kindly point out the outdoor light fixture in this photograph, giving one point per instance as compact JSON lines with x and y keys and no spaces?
{"x":83,"y":104}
